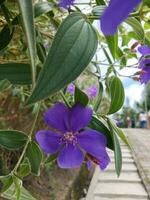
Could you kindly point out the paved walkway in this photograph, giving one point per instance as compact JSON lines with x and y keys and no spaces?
{"x":129,"y":186}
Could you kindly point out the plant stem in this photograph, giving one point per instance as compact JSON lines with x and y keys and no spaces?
{"x":64,"y":98}
{"x":28,"y":141}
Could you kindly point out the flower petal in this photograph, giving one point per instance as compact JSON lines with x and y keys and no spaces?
{"x":57,"y":117}
{"x":144,"y":50}
{"x":92,"y":142}
{"x":144,"y":62}
{"x":48,"y":141}
{"x":66,"y":3}
{"x":70,"y":157}
{"x":104,"y":160}
{"x":80,"y":117}
{"x":116,"y":12}
{"x":145,"y":76}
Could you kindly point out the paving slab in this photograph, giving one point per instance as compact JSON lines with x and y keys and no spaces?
{"x":119,"y":189}
{"x":129,"y":186}
{"x":124,"y":177}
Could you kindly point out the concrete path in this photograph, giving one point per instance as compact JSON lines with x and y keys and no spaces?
{"x":107,"y":186}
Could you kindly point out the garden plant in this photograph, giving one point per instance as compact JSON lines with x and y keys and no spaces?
{"x":52,"y":58}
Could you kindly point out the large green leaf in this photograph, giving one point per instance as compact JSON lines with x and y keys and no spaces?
{"x":73,"y":48}
{"x":116,"y":91}
{"x":16,"y":73}
{"x":98,"y":125}
{"x":34,"y":154}
{"x":12,"y":139}
{"x":27,"y":14}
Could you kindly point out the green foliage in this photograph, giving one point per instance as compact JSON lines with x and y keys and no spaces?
{"x":61,"y":45}
{"x":34,"y":154}
{"x":27,"y":14}
{"x":24,"y":168}
{"x":61,"y":67}
{"x":4,"y":85}
{"x":6,"y":35}
{"x":112,"y":42}
{"x":16,"y":73}
{"x":6,"y":182}
{"x":98,"y":125}
{"x":81,"y":97}
{"x":116,"y":91}
{"x":12,"y":139}
{"x":117,"y":149}
{"x":10,"y":194}
{"x":42,"y":8}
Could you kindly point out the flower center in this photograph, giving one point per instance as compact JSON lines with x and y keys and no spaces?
{"x":69,"y":138}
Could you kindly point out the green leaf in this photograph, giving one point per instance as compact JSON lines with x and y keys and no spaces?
{"x":81,"y":97}
{"x":117,"y":154}
{"x":51,"y":159}
{"x":112,"y":42}
{"x":16,"y":73}
{"x":24,"y":194}
{"x":137,"y":27}
{"x":27,"y":14}
{"x":24,"y":168}
{"x":98,"y":125}
{"x":18,"y":185}
{"x":2,"y":1}
{"x":120,"y":133}
{"x":6,"y":35}
{"x":34,"y":154}
{"x":117,"y":150}
{"x":6,"y":182}
{"x":116,"y":91}
{"x":147,"y":2}
{"x":42,"y":8}
{"x":62,"y":66}
{"x":12,"y":139}
{"x":4,"y":85}
{"x":100,"y":96}
{"x":100,"y":2}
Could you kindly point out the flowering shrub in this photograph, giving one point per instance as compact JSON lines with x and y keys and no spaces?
{"x":45,"y":46}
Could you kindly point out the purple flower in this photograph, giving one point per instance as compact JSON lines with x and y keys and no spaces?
{"x":144,"y":64}
{"x":144,"y":50}
{"x":66,"y":3}
{"x":71,"y":88}
{"x":69,"y":139}
{"x":92,"y":91}
{"x":115,"y":14}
